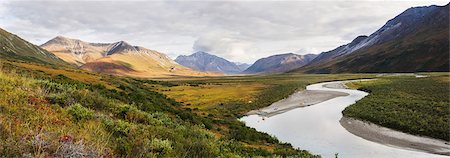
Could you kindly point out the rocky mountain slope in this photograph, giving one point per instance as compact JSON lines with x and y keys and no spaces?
{"x":13,"y":47}
{"x":242,"y":66}
{"x":415,"y":40}
{"x":279,"y":63}
{"x":203,"y":61}
{"x":75,"y":51}
{"x":119,"y":58}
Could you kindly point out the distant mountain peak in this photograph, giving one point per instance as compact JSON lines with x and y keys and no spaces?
{"x":59,"y":37}
{"x":204,"y":61}
{"x":280,"y":63}
{"x":239,"y":63}
{"x":60,"y":40}
{"x":120,"y":47}
{"x":415,"y":40}
{"x":122,"y":44}
{"x":118,"y":58}
{"x":202,"y":53}
{"x":357,"y":40}
{"x":242,"y":66}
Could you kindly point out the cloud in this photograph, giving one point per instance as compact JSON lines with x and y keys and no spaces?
{"x":238,"y":30}
{"x":225,"y":44}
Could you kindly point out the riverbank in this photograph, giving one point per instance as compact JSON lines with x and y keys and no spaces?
{"x":302,"y":98}
{"x":314,"y":95}
{"x":386,"y":136}
{"x":297,"y":100}
{"x":414,"y":109}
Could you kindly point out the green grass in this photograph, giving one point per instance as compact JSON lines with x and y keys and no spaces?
{"x":15,"y":48}
{"x":413,"y":105}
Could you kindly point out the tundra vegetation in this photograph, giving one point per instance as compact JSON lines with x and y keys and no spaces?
{"x":413,"y":105}
{"x":49,"y":111}
{"x":57,"y":111}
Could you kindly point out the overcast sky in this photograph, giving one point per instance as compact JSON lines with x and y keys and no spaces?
{"x":241,"y":31}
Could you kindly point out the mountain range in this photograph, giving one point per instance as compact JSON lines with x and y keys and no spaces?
{"x":203,"y":61}
{"x":279,"y":63}
{"x":416,"y":40}
{"x":242,"y":66}
{"x":118,"y":58}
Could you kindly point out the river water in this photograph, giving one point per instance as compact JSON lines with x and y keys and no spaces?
{"x":317,"y":129}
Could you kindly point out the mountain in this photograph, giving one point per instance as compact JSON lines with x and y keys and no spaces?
{"x":415,"y":40}
{"x":13,"y":47}
{"x":76,"y":51}
{"x":341,"y":50}
{"x":280,"y":63}
{"x":242,"y":66}
{"x":203,"y":61}
{"x":119,"y":58}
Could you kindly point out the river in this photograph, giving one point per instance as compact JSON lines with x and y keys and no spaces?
{"x":317,"y":129}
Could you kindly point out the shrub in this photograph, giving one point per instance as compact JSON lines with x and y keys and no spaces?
{"x":162,"y":147}
{"x":79,"y":112}
{"x":119,"y":128}
{"x":408,"y":104}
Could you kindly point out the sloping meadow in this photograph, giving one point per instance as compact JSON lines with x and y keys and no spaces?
{"x":45,"y":114}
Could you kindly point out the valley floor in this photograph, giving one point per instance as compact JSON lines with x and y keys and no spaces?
{"x":118,"y":116}
{"x":50,"y":111}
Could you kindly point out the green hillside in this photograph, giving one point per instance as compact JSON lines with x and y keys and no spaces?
{"x":13,"y":47}
{"x":424,"y":51}
{"x":419,"y":42}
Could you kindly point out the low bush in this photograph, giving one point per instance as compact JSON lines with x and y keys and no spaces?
{"x":413,"y":105}
{"x":79,"y":112}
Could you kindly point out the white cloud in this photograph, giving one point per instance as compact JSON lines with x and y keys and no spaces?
{"x":225,"y":44}
{"x":238,"y":30}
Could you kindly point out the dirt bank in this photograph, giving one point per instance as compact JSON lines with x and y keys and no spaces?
{"x":299,"y":99}
{"x":390,"y":137}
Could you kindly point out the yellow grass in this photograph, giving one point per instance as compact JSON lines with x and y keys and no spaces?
{"x":444,"y":78}
{"x":73,"y":74}
{"x":203,"y":96}
{"x":150,"y":66}
{"x":268,"y":147}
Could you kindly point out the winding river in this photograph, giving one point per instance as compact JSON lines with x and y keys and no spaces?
{"x":317,"y":129}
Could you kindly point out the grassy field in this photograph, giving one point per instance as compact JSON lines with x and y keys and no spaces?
{"x":204,"y":95}
{"x":236,"y":95}
{"x":225,"y":99}
{"x":48,"y":111}
{"x":51,"y":112}
{"x":413,"y":105}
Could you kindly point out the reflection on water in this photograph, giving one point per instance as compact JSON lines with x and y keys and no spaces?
{"x":317,"y":129}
